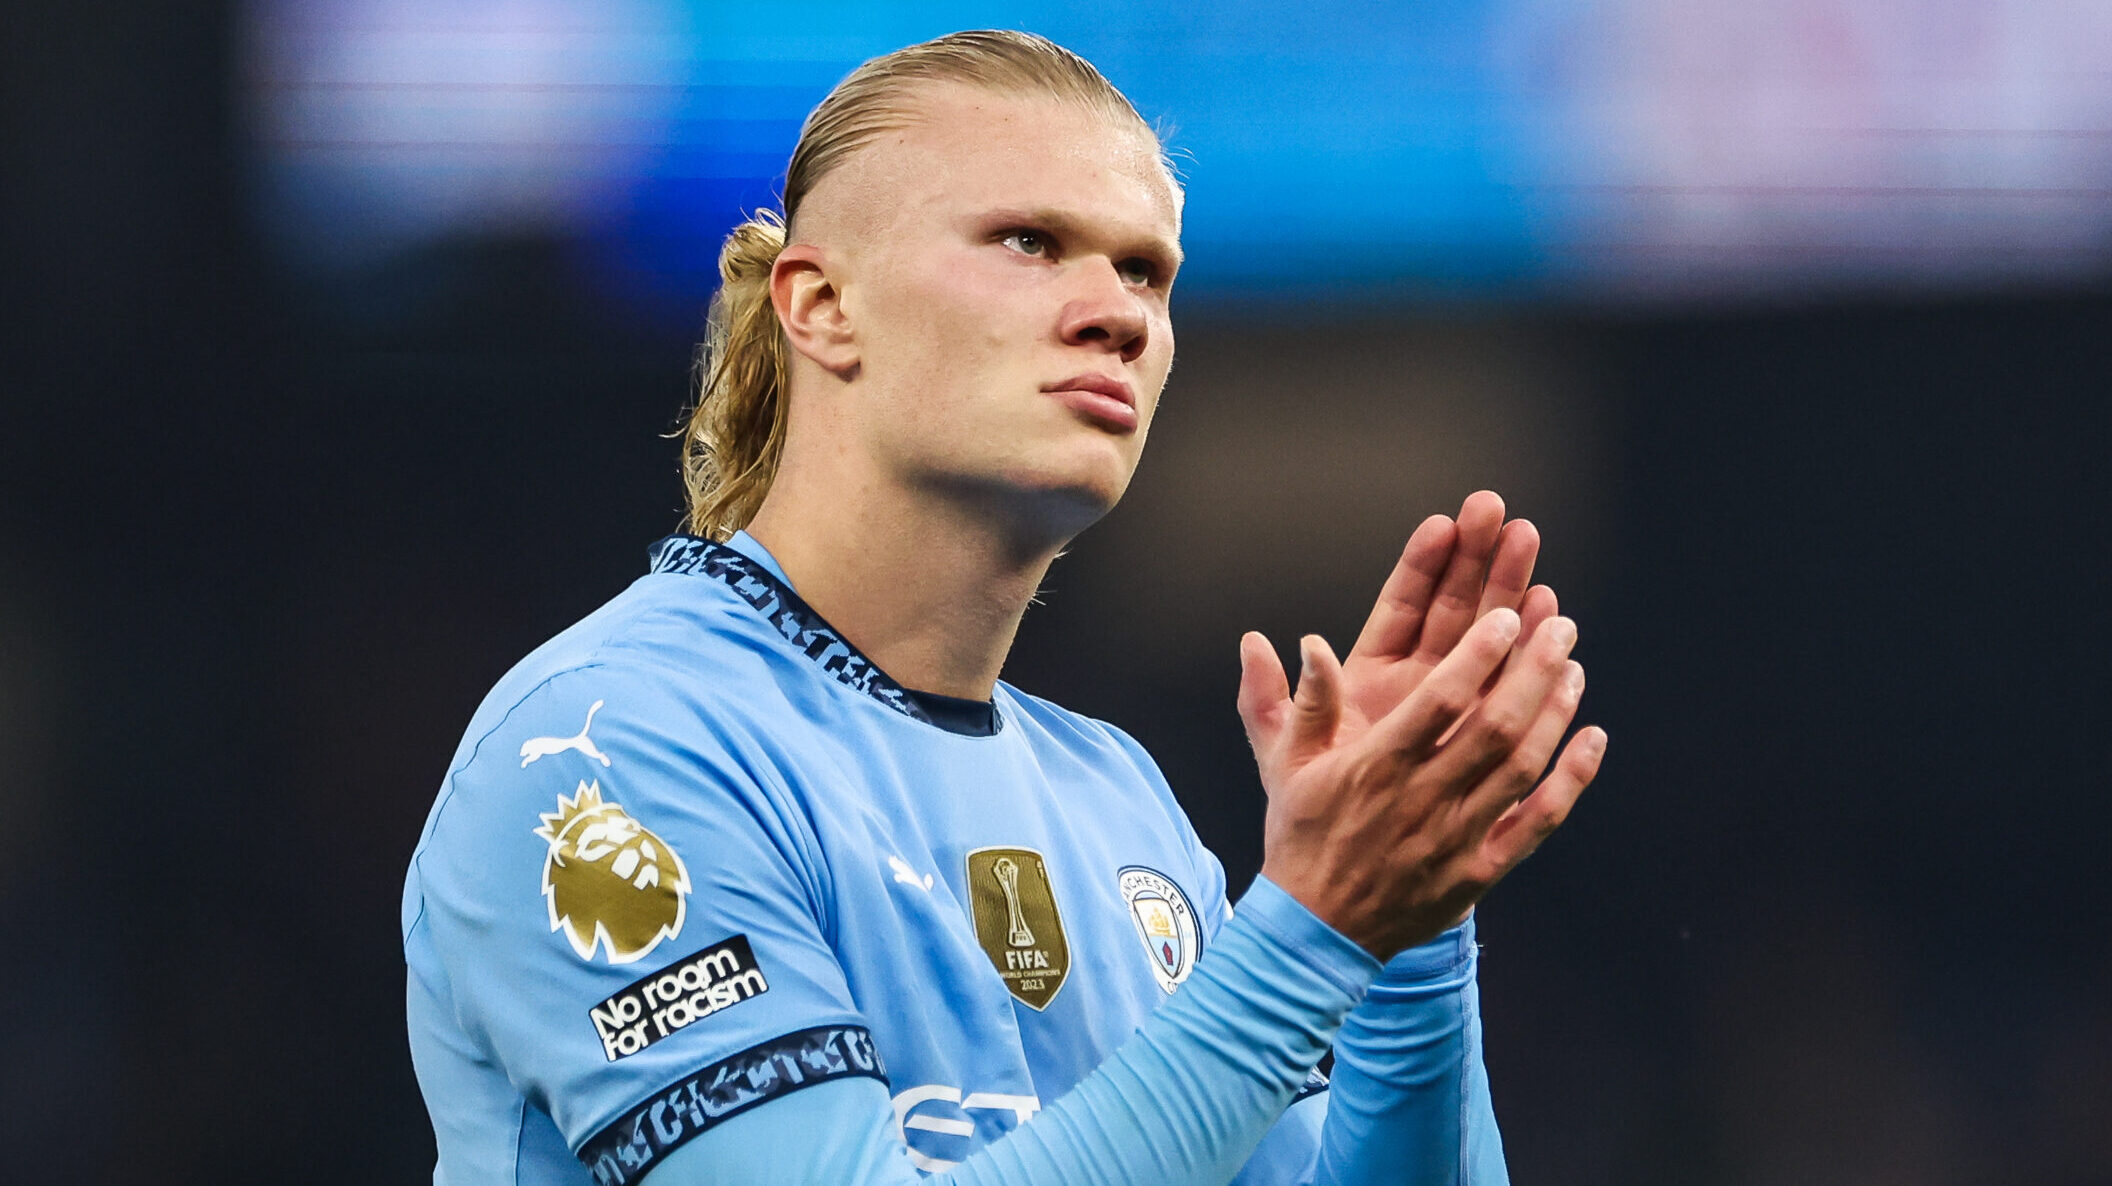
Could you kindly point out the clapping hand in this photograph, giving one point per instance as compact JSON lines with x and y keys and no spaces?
{"x":1401,"y":782}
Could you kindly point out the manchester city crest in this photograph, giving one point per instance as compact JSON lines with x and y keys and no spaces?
{"x":609,"y":881}
{"x":1164,"y":921}
{"x":1017,"y":922}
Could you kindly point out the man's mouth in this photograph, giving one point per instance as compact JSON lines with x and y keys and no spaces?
{"x":1107,"y":401}
{"x":1100,"y":384}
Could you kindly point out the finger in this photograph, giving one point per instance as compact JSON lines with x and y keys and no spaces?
{"x":1540,"y":604}
{"x":1520,"y":830}
{"x":1516,"y":771}
{"x":1396,"y":620}
{"x":1263,"y":690}
{"x":1449,"y":691}
{"x":1317,"y":708}
{"x":1511,"y":570}
{"x":1502,"y":726}
{"x":1452,"y":610}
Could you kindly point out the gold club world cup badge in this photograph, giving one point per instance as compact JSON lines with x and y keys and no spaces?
{"x":1164,"y":921}
{"x":608,"y":880}
{"x":1017,"y":922}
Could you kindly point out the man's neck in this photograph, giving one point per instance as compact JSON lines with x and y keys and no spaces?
{"x":931,"y":589}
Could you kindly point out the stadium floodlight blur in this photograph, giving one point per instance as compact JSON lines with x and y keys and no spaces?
{"x":1491,"y":149}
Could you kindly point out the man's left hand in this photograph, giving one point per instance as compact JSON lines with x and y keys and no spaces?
{"x":1450,"y":574}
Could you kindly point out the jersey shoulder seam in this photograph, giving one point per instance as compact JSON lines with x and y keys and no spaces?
{"x":447,"y":791}
{"x":604,"y":653}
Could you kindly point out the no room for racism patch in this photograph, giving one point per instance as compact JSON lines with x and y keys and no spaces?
{"x":680,"y":995}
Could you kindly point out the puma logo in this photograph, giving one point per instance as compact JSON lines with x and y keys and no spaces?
{"x":907,"y":875}
{"x":543,"y":747}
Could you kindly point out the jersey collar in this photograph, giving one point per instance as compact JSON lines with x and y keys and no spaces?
{"x":755,"y":577}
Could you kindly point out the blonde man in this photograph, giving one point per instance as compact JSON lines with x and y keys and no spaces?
{"x":813,"y":897}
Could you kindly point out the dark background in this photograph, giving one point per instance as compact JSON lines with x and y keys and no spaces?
{"x":1836,"y":912}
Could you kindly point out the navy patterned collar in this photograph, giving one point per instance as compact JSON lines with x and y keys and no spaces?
{"x":812,"y":635}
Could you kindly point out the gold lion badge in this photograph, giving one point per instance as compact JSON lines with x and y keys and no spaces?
{"x":608,"y":880}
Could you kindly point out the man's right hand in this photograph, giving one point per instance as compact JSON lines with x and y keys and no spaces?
{"x":1390,"y":834}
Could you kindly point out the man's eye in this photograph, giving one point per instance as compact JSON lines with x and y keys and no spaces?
{"x":1135,"y":271}
{"x":1027,"y":243}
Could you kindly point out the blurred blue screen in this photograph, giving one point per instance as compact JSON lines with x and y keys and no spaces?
{"x":1507,"y":150}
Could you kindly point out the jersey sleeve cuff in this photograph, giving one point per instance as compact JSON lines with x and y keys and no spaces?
{"x":1327,"y":951}
{"x":1441,"y":965}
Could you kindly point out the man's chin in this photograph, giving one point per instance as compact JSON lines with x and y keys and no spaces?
{"x":1089,"y":484}
{"x":1045,"y":507}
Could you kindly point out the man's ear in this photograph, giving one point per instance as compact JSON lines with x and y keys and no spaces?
{"x":810,"y":307}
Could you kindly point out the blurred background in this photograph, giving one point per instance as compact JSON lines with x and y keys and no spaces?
{"x":342,"y":337}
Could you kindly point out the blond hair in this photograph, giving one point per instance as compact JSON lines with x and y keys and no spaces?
{"x":735,"y":433}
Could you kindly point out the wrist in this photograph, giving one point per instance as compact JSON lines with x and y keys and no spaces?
{"x":1442,"y":962}
{"x":1295,"y":926}
{"x":1334,"y":905}
{"x":1345,"y":909}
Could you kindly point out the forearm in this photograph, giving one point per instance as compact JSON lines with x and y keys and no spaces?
{"x":1410,"y":1100}
{"x":1183,"y":1101}
{"x":1191,"y":1095}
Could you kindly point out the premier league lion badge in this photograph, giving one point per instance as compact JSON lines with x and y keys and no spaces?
{"x":609,"y":881}
{"x":1164,"y":921}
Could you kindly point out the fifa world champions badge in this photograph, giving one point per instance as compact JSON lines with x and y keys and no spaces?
{"x":609,"y":881}
{"x":1017,"y":923}
{"x":1164,"y":921}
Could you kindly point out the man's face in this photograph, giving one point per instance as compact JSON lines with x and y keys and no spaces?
{"x":1006,"y":265}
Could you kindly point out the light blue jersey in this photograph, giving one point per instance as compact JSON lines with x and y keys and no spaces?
{"x":697,"y":854}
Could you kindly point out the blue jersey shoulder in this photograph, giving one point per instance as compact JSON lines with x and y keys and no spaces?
{"x":614,"y":832}
{"x":643,"y":642}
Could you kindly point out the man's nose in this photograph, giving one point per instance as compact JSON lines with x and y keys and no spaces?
{"x":1104,"y":312}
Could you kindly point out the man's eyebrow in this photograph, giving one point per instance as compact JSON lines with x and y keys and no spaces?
{"x":1066,"y":225}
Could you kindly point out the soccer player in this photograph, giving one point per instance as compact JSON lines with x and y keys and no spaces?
{"x":759,"y":875}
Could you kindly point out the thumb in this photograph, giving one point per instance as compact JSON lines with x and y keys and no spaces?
{"x":1318,"y":705}
{"x":1263,"y":690}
